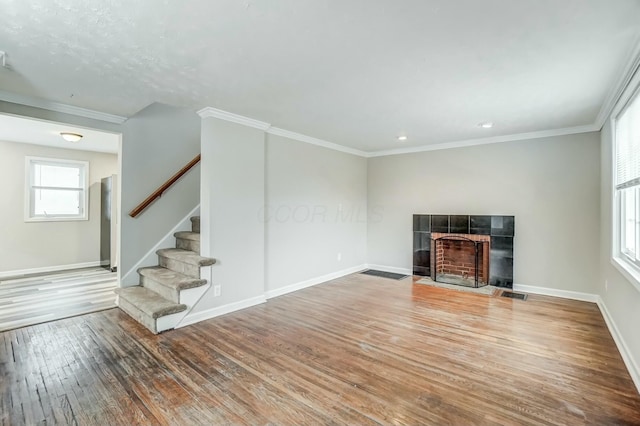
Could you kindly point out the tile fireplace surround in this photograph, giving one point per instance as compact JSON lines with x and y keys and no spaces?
{"x":499,"y":229}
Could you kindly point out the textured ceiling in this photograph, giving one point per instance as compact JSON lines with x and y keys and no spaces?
{"x":355,"y":72}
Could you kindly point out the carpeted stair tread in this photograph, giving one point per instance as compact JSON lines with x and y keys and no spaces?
{"x":186,"y":256}
{"x":171,"y":279}
{"x":193,"y":236}
{"x":155,"y":303}
{"x":149,"y":302}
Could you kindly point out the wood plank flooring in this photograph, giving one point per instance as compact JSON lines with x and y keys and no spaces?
{"x":358,"y":350}
{"x":32,"y":299}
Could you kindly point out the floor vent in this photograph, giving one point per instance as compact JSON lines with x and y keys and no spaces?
{"x":512,"y":295}
{"x":384,"y":274}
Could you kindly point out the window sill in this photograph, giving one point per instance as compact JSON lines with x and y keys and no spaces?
{"x":628,"y":271}
{"x":54,"y":219}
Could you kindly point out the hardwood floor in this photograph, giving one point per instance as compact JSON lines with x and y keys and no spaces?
{"x":357,"y":350}
{"x":32,"y":299}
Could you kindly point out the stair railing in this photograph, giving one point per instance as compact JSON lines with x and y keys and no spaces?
{"x":158,"y":192}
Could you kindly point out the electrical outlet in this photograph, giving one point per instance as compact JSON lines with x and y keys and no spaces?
{"x":339,"y":257}
{"x":216,"y":290}
{"x":606,"y":285}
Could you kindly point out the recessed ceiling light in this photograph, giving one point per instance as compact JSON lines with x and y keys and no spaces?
{"x":402,"y":138}
{"x":486,"y":125}
{"x":70,"y":137}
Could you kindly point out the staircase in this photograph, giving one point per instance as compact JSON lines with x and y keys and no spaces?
{"x":169,"y":290}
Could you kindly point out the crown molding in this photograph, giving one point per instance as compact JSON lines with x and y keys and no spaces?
{"x":209,"y":112}
{"x":266,"y":127}
{"x":31,"y":101}
{"x":250,"y":122}
{"x":490,"y":140}
{"x":631,"y":68}
{"x":315,"y":141}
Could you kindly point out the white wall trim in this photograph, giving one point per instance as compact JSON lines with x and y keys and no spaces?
{"x":234,"y":118}
{"x":490,"y":140}
{"x":58,"y":107}
{"x":221,"y":310}
{"x":247,"y":303}
{"x":615,"y":93}
{"x":224,"y":115}
{"x":626,"y":270}
{"x":393,"y":269}
{"x":313,"y":281}
{"x":169,"y":322}
{"x":130,"y":278}
{"x":45,"y":269}
{"x":315,"y":141}
{"x":629,"y":362}
{"x":627,"y":357}
{"x":565,"y":294}
{"x":250,"y":122}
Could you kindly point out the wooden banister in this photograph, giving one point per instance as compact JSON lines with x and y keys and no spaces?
{"x":158,"y":192}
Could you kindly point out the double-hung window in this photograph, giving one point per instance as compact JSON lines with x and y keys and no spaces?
{"x":57,"y":190}
{"x":626,"y":248}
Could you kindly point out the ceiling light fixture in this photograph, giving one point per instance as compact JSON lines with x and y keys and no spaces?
{"x":70,"y":137}
{"x":402,"y":138}
{"x":486,"y":125}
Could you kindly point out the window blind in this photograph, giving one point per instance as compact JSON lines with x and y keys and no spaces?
{"x":628,"y":146}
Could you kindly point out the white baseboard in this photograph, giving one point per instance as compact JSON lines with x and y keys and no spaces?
{"x":130,"y":278}
{"x":221,"y":310}
{"x":247,"y":303}
{"x":565,"y":294}
{"x":629,"y":362}
{"x":394,"y":269}
{"x":313,"y":281}
{"x":45,"y":269}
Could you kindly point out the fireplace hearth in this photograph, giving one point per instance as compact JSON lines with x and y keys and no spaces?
{"x":472,"y":251}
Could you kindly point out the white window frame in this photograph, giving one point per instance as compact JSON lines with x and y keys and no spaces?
{"x":629,"y":268}
{"x":29,"y":207}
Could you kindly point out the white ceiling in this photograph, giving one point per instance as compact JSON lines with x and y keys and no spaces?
{"x":353,"y":72}
{"x":47,"y":133}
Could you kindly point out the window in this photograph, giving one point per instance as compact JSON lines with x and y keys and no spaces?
{"x":626,"y":248}
{"x":56,"y":190}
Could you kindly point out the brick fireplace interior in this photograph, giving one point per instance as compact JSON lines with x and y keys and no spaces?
{"x":469,"y":250}
{"x":461,"y":259}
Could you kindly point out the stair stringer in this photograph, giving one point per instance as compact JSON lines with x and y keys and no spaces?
{"x":168,"y":322}
{"x":189,"y":297}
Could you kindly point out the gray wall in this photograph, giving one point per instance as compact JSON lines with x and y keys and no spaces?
{"x":274,"y":211}
{"x":47,"y":244}
{"x":620,"y":297}
{"x":306,"y":185}
{"x":156,"y":143}
{"x":233,"y":195}
{"x":550,"y":185}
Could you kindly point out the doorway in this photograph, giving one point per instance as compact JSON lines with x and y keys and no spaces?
{"x":51,"y":262}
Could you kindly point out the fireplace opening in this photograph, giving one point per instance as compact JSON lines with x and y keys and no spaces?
{"x":460,"y":259}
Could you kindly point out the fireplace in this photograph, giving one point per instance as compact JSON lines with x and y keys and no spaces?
{"x":469,"y":250}
{"x":461,"y":259}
